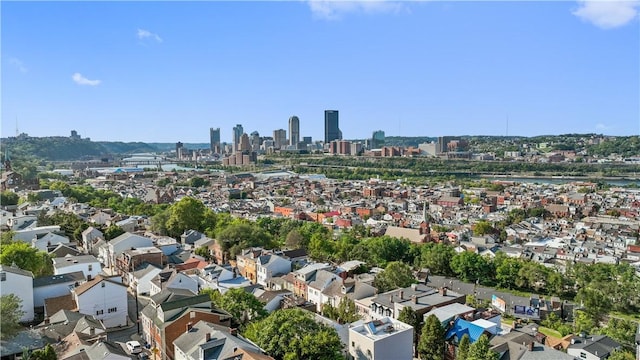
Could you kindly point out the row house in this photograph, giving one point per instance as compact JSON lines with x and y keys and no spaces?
{"x":105,"y":298}
{"x":419,"y":297}
{"x":172,"y":312}
{"x":305,"y":275}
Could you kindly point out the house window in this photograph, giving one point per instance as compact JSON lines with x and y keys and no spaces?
{"x":3,"y":276}
{"x":583,"y":355}
{"x":99,"y":312}
{"x":90,"y":267}
{"x":353,"y":344}
{"x":369,"y":355}
{"x":102,"y":284}
{"x":112,"y":310}
{"x":388,"y":312}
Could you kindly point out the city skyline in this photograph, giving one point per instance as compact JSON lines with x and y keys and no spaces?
{"x":122,"y":71}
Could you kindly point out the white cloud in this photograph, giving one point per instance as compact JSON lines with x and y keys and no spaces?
{"x":607,"y":14}
{"x":335,"y":9}
{"x":146,"y":34}
{"x":81,"y":80}
{"x":18,"y":64}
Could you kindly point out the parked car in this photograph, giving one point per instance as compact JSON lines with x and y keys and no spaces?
{"x":134,"y":347}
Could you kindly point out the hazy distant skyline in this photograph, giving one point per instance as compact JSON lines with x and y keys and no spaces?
{"x":169,"y":71}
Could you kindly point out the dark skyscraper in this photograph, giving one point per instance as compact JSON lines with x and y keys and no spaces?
{"x":237,"y":133}
{"x":214,"y":139}
{"x":331,"y":126}
{"x":294,"y":131}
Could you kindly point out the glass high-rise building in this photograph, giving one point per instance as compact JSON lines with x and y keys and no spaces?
{"x":377,"y":139}
{"x":214,"y":140}
{"x":294,"y":131}
{"x":237,"y":133}
{"x":331,"y":126}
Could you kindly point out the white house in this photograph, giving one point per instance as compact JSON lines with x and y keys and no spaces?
{"x":221,"y":278}
{"x":176,"y":280}
{"x":268,"y":266}
{"x":592,"y":347}
{"x":88,"y":264}
{"x":89,"y":237}
{"x":28,"y":235}
{"x":386,"y":338}
{"x":316,"y":288}
{"x":103,"y":298}
{"x":100,"y":218}
{"x":140,"y":280}
{"x":42,"y":243}
{"x":20,"y":221}
{"x":14,"y":280}
{"x":51,"y":286}
{"x":110,"y":251}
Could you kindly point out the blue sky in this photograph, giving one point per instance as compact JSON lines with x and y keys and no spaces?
{"x":168,"y":71}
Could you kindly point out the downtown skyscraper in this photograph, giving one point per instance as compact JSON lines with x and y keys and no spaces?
{"x":237,"y":133}
{"x":294,"y":131}
{"x":331,"y":126}
{"x":214,"y":140}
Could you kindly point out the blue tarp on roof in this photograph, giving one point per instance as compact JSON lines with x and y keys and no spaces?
{"x":461,"y":327}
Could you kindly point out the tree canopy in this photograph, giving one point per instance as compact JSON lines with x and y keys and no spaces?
{"x":293,"y":334}
{"x":395,"y":275}
{"x":10,"y":314}
{"x":431,"y":343}
{"x":26,"y":257}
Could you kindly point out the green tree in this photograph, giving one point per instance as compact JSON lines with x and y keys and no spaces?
{"x":480,"y":350}
{"x":437,"y":258}
{"x":10,"y":314}
{"x":294,"y":334}
{"x":294,"y":240}
{"x":506,"y":270}
{"x":112,"y":232}
{"x":395,"y":275}
{"x":47,"y":353}
{"x":431,"y":343}
{"x":621,"y":355}
{"x":345,"y":312}
{"x":463,"y":348}
{"x":483,"y":227}
{"x":186,"y":214}
{"x":27,"y":258}
{"x":470,"y":266}
{"x":243,"y":306}
{"x":204,"y":252}
{"x":198,"y":182}
{"x":408,"y":316}
{"x":8,"y":198}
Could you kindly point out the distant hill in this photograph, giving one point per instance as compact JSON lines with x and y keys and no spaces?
{"x":59,"y":148}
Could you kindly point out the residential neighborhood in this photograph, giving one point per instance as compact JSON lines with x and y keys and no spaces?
{"x":143,"y":285}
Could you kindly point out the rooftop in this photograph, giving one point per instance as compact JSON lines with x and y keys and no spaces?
{"x":379,"y":329}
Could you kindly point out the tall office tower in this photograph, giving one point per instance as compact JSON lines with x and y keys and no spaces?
{"x":294,"y":131}
{"x":214,"y":138}
{"x":244,"y":145}
{"x":331,"y":126}
{"x":377,"y":140}
{"x":254,"y":139}
{"x":279,"y":138}
{"x":179,"y":149}
{"x":237,"y":133}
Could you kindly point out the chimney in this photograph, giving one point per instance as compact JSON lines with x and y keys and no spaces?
{"x":443,"y":291}
{"x":233,"y":331}
{"x":391,"y":298}
{"x":414,"y":299}
{"x":401,"y":295}
{"x":189,"y":326}
{"x":46,"y":321}
{"x":530,"y":346}
{"x":207,"y":337}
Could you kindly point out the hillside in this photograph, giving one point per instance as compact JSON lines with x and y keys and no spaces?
{"x":58,"y":148}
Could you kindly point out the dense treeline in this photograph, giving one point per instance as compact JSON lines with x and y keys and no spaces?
{"x":60,"y":148}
